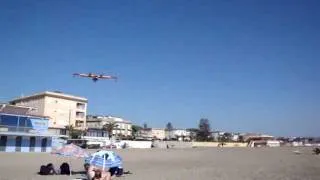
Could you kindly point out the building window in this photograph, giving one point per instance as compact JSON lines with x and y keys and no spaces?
{"x":79,"y":123}
{"x":23,"y":121}
{"x":32,"y":144}
{"x":43,"y":145}
{"x":81,"y":106}
{"x":18,"y":143}
{"x":9,"y":120}
{"x":63,"y":131}
{"x":80,"y":115}
{"x":28,"y":123}
{"x":3,"y":143}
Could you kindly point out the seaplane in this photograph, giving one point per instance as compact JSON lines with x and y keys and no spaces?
{"x":95,"y":77}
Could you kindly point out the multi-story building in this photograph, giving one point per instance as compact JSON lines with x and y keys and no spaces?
{"x":95,"y":124}
{"x":62,"y":109}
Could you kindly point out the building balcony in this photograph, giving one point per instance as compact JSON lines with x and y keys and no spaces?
{"x":80,"y":115}
{"x":4,"y":129}
{"x":79,"y":123}
{"x":81,"y":106}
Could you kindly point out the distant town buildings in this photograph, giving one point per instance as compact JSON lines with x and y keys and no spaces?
{"x":247,"y":137}
{"x":62,"y":109}
{"x":178,"y":134}
{"x":123,"y":128}
{"x":217,"y":135}
{"x":151,"y":134}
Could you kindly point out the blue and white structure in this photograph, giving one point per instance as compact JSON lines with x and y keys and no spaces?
{"x":104,"y":159}
{"x":22,"y":132}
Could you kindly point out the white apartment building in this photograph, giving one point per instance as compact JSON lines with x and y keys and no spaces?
{"x":179,"y":134}
{"x":62,"y":109}
{"x":151,"y":133}
{"x":123,"y":127}
{"x":158,"y":133}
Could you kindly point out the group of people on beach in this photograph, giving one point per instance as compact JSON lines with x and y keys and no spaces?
{"x":49,"y":169}
{"x":92,"y":172}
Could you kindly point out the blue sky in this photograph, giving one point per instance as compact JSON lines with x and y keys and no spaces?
{"x":247,"y":66}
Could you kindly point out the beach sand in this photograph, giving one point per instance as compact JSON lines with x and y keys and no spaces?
{"x":186,"y":164}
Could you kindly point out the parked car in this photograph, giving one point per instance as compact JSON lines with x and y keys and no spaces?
{"x":93,"y":146}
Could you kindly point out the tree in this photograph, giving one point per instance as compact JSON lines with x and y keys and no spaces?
{"x":204,"y":130}
{"x":84,"y":131}
{"x":193,"y":133}
{"x":135,"y":130}
{"x":73,"y":133}
{"x":145,"y":126}
{"x":169,"y":128}
{"x":109,"y":127}
{"x":241,"y":139}
{"x":227,"y":136}
{"x":222,"y":139}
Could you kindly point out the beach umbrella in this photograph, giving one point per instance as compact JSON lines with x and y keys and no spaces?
{"x":69,"y":151}
{"x":104,"y":159}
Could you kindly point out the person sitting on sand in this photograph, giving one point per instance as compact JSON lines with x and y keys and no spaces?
{"x":47,"y":170}
{"x":65,"y":169}
{"x":51,"y":169}
{"x":89,"y":171}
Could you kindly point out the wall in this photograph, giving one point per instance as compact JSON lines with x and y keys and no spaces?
{"x":138,"y":144}
{"x":25,"y":144}
{"x":172,"y":144}
{"x":177,"y":144}
{"x":215,"y":144}
{"x":38,"y":103}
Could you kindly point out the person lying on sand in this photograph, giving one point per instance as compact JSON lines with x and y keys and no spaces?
{"x":96,"y":174}
{"x":101,"y":175}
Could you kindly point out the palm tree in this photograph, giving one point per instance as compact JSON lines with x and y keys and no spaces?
{"x":109,"y":127}
{"x":84,"y":131}
{"x":72,"y":132}
{"x":69,"y":130}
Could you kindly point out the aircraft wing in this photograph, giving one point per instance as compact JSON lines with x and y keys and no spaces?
{"x":81,"y":75}
{"x":108,"y":77}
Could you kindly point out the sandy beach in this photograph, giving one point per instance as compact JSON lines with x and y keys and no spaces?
{"x":173,"y":164}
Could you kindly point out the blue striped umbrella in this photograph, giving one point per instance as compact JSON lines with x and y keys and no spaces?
{"x":104,"y":159}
